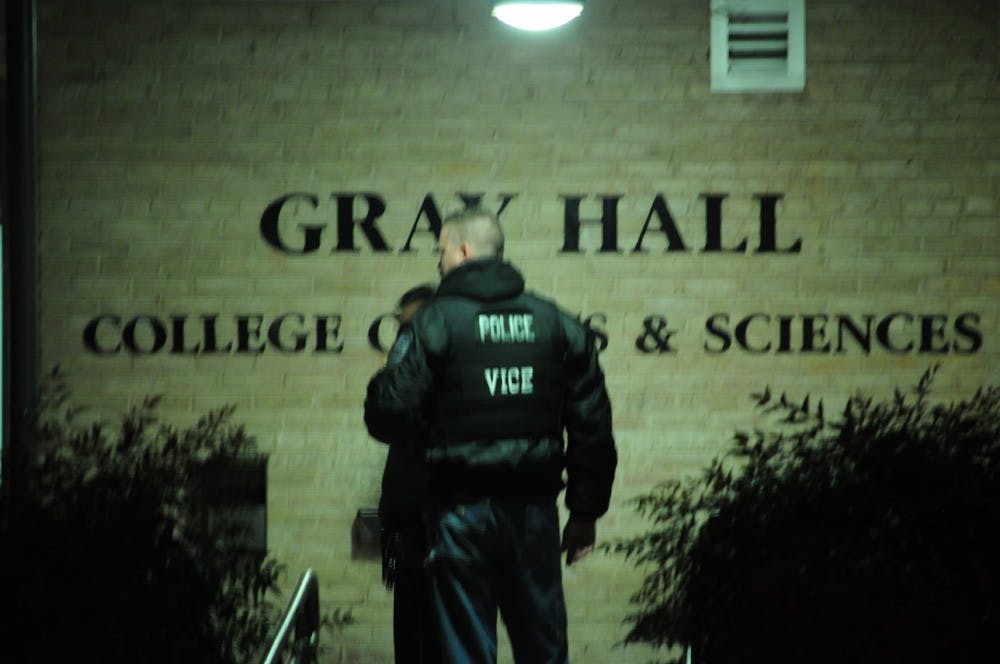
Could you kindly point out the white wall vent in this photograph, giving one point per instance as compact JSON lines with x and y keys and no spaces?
{"x":758,"y":45}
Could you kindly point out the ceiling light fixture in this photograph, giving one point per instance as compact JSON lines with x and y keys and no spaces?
{"x":537,"y":15}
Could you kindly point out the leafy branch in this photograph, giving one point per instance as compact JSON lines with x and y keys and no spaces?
{"x":876,"y":523}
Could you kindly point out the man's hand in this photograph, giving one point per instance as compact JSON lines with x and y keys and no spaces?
{"x":578,"y":539}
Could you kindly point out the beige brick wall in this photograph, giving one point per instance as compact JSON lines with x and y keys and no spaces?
{"x":168,"y":127}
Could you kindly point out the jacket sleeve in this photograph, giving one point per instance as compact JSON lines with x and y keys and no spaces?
{"x":397,"y":395}
{"x":591,"y":457}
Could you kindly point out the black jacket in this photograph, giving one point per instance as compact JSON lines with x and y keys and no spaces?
{"x":492,"y":378}
{"x":404,"y":480}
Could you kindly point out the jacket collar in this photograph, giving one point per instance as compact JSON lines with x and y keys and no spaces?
{"x":484,"y":279}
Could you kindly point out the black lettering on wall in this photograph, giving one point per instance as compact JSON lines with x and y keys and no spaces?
{"x":756,"y":333}
{"x":572,"y":221}
{"x":862,"y":338}
{"x":741,"y":334}
{"x":177,"y":322}
{"x":248,"y":332}
{"x":90,"y":334}
{"x":667,"y":225}
{"x":328,"y":334}
{"x":713,"y":225}
{"x":716,"y":327}
{"x":146,"y":334}
{"x":966,"y":327}
{"x":346,"y":222}
{"x":269,"y":226}
{"x":274,"y":334}
{"x":656,"y":336}
{"x":814,"y":334}
{"x":374,"y":332}
{"x":932,"y":331}
{"x":785,"y":334}
{"x":883,"y":332}
{"x":210,"y":337}
{"x":476,"y":200}
{"x":429,"y":209}
{"x":309,"y":237}
{"x":768,"y":221}
{"x":153,"y":326}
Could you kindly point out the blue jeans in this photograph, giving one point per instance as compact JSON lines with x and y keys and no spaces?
{"x":498,"y":554}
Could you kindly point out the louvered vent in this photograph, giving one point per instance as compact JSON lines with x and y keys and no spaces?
{"x":758,"y":45}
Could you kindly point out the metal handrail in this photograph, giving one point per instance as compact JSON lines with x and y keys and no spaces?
{"x":302,"y":612}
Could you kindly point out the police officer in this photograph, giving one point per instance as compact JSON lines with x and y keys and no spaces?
{"x":492,"y":380}
{"x":401,"y":511}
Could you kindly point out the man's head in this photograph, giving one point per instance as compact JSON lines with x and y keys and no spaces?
{"x":467,"y":235}
{"x":411,"y":301}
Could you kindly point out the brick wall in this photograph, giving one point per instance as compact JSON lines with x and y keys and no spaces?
{"x":167,"y":128}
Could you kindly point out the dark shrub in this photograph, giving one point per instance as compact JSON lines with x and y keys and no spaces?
{"x":112,"y":557}
{"x":873,"y":536}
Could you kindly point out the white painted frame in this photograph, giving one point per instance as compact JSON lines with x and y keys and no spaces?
{"x":791,"y":79}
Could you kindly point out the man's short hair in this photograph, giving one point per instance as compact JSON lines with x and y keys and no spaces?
{"x":420,"y":293}
{"x":480,"y":228}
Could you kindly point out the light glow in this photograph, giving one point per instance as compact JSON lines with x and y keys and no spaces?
{"x":537,"y":16}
